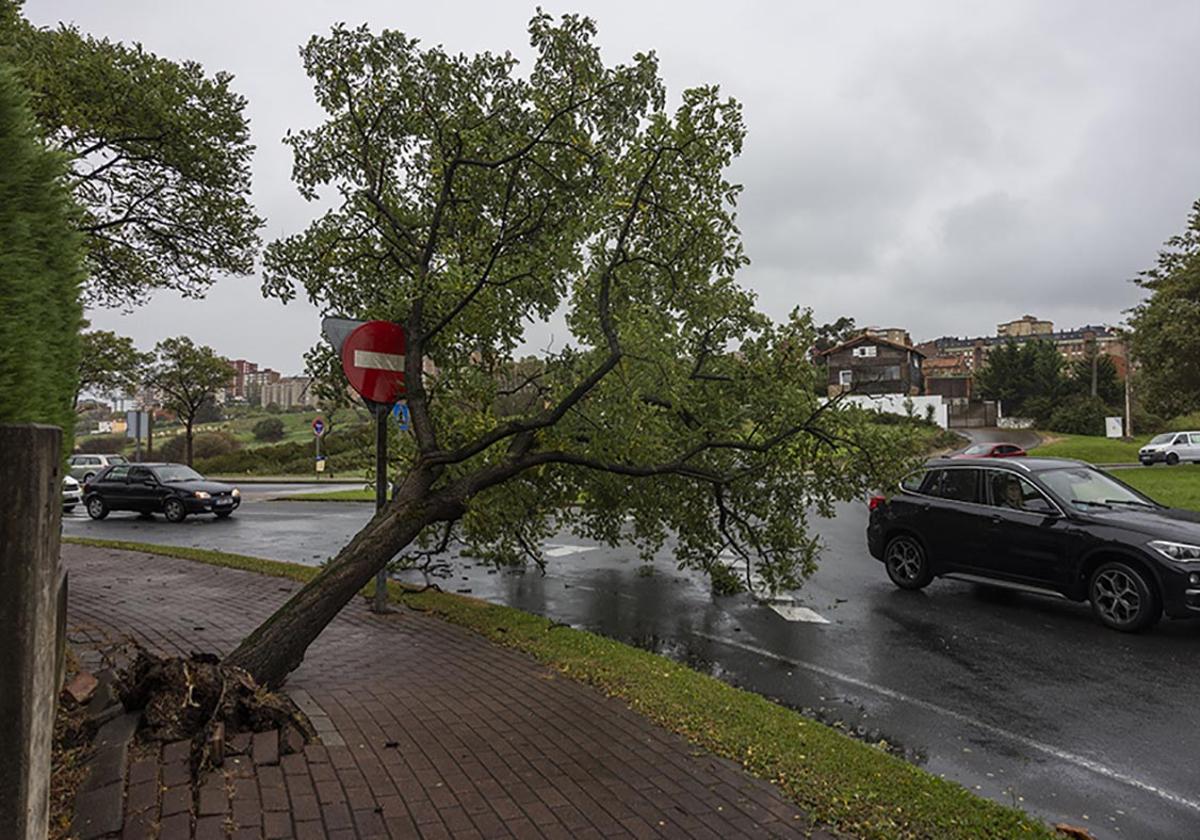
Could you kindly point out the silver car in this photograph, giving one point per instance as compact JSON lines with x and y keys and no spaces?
{"x":1171,"y":448}
{"x":87,"y":467}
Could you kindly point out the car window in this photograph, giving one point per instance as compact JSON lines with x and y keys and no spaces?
{"x":1088,"y":488}
{"x":176,"y":472}
{"x":912,"y":482}
{"x":1180,"y":439}
{"x":977,"y":449}
{"x":120,"y":473}
{"x":1008,"y":490}
{"x":1195,"y":439}
{"x":956,"y":485}
{"x":117,"y":459}
{"x":139,"y":474}
{"x":1160,"y":439}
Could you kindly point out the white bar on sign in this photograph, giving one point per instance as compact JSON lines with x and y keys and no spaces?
{"x":378,"y":361}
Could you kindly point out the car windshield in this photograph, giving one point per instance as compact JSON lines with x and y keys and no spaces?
{"x":117,"y":459}
{"x":978,"y":449}
{"x":1163,"y":438}
{"x":176,"y":472}
{"x":1088,"y":488}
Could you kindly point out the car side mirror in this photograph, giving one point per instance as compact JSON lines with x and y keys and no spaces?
{"x":1041,"y":506}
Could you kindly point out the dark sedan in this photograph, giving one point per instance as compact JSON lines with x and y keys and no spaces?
{"x":1045,"y":524}
{"x":173,"y":490}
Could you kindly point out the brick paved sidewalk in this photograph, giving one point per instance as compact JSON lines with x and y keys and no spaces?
{"x":428,"y":730}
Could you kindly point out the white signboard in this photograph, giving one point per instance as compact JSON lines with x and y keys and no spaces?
{"x":137,"y":423}
{"x":1113,"y":427}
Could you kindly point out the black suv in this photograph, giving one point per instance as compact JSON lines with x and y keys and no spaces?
{"x":174,"y":490}
{"x":1042,"y":523}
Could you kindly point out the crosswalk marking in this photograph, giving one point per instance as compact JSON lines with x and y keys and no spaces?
{"x":565,"y":550}
{"x":795,"y":612}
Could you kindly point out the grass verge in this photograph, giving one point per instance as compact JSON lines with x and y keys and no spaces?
{"x":359,"y":494}
{"x":841,"y":782}
{"x":1094,"y":450}
{"x":1177,"y":487}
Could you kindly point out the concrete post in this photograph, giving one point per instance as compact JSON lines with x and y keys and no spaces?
{"x":31,"y":627}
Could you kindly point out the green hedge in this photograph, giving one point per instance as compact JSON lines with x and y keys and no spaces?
{"x":41,"y":271}
{"x":349,"y":449}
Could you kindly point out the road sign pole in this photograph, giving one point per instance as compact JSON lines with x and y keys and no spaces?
{"x":381,"y":484}
{"x":317,"y":438}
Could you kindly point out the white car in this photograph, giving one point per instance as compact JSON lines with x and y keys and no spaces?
{"x":1171,"y":448}
{"x":72,"y":494}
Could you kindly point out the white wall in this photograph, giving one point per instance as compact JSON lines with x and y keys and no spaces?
{"x":899,"y":404}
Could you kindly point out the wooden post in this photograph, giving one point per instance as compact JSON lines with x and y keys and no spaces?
{"x":31,"y":627}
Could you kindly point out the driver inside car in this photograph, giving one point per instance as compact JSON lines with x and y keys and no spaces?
{"x":1010,"y":495}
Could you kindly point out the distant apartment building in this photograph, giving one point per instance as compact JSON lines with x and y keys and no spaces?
{"x":951,"y":357}
{"x":289,"y":392}
{"x":1024,"y":327}
{"x":236,"y":389}
{"x":896,"y":335}
{"x":256,"y":381}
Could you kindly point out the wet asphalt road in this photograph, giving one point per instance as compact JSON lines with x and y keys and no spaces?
{"x":1019,"y":697}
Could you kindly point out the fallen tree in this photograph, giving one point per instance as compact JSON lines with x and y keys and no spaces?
{"x":472,"y":202}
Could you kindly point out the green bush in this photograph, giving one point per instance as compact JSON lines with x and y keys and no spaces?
{"x":268,"y":429}
{"x":348,"y":449}
{"x":100,"y":443}
{"x":1080,"y":415}
{"x":204,"y":445}
{"x":41,"y":270}
{"x":1182,"y":423}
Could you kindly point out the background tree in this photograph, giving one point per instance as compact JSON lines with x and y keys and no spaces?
{"x":471,"y":200}
{"x":159,"y":159}
{"x":1026,"y":378}
{"x":110,"y":364}
{"x":1166,"y":326}
{"x":41,"y":269}
{"x":834,"y":333}
{"x":186,"y":376}
{"x":1098,"y":369}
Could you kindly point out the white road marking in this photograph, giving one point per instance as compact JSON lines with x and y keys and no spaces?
{"x":564,"y":550}
{"x":1071,"y":758}
{"x":795,"y":612}
{"x":379,"y":361}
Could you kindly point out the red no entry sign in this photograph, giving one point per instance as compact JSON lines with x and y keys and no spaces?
{"x":373,"y":359}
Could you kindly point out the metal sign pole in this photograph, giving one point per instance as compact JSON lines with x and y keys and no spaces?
{"x":381,"y":484}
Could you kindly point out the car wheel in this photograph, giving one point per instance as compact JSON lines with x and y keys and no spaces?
{"x":224,"y":514}
{"x":88,"y":477}
{"x":96,"y":508}
{"x":1123,"y":599}
{"x":174,"y":510}
{"x":906,"y":563}
{"x":1172,"y":459}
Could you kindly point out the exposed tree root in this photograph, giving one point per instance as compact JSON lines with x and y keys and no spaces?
{"x":187,"y":699}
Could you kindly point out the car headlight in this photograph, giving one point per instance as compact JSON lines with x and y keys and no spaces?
{"x":1177,"y":551}
{"x":236,"y":492}
{"x":200,"y":494}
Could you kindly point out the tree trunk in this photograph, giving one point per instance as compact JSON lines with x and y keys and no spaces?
{"x":277,"y":647}
{"x":188,"y":441}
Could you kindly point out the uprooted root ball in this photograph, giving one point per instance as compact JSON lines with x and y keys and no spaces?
{"x":187,"y":699}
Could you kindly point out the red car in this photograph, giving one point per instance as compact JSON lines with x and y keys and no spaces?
{"x":991,"y":450}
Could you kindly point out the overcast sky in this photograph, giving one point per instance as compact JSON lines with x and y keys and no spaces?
{"x":935,"y":166}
